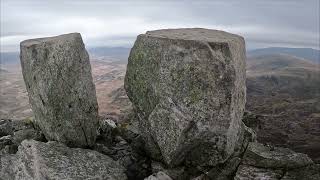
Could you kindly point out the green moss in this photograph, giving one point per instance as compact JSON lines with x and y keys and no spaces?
{"x":28,"y":120}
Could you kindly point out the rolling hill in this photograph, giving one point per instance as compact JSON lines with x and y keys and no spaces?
{"x":309,"y":54}
{"x":283,"y":94}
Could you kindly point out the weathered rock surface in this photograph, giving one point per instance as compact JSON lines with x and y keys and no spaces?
{"x":188,"y":89}
{"x":262,"y":156}
{"x":58,"y":79}
{"x":52,"y":160}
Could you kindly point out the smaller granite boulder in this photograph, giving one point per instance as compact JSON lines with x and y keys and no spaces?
{"x":57,"y":74}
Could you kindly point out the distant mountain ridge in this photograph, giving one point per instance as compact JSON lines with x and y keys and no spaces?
{"x":122,"y":53}
{"x":112,"y":53}
{"x":305,"y":53}
{"x":7,"y":58}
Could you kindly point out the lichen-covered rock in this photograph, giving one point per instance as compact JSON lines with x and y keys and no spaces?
{"x":188,"y":89}
{"x":52,"y":160}
{"x":262,"y":156}
{"x":61,"y":92}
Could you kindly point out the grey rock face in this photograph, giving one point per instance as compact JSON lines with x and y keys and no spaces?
{"x":58,"y":79}
{"x":52,"y":160}
{"x":188,"y":89}
{"x":274,"y":157}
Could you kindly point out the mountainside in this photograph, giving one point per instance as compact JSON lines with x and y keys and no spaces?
{"x":283,"y":93}
{"x":310,"y":54}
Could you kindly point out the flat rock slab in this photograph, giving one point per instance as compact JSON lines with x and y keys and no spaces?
{"x":253,"y":173}
{"x":262,"y":156}
{"x":52,"y":160}
{"x":57,"y":74}
{"x":188,"y":89}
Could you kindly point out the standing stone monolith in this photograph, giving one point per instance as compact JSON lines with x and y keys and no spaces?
{"x":57,"y":74}
{"x":188,"y":89}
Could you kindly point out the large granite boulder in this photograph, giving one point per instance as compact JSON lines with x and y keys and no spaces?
{"x":53,"y":160}
{"x":188,"y":89}
{"x":57,"y":74}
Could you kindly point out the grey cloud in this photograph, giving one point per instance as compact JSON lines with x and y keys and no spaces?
{"x":113,"y":23}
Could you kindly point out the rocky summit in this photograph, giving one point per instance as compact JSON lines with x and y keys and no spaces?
{"x":188,"y":89}
{"x":57,"y":74}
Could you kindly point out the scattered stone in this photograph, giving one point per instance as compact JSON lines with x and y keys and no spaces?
{"x":188,"y":89}
{"x":158,"y":176}
{"x":126,"y":148}
{"x":224,"y":172}
{"x":6,"y":127}
{"x":19,"y":131}
{"x":5,"y":140}
{"x":28,"y":133}
{"x":53,"y":160}
{"x":106,"y":130}
{"x":262,"y":156}
{"x":61,"y":92}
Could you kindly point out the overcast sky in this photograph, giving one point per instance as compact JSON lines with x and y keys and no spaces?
{"x":290,"y":23}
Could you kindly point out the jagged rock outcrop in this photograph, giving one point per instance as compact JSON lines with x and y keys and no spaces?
{"x":58,"y":79}
{"x":53,"y":160}
{"x":188,"y":89}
